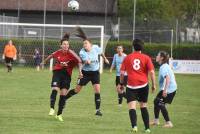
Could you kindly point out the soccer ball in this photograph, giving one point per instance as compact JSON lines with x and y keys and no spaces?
{"x":73,"y":5}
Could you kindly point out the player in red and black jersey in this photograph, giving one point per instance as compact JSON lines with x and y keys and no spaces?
{"x":66,"y":60}
{"x":138,"y":66}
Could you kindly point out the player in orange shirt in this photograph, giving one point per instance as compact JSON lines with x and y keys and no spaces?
{"x":9,"y":55}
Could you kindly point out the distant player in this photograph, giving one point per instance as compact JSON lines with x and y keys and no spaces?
{"x":9,"y":55}
{"x":138,"y":66}
{"x":116,"y":63}
{"x":89,"y":56}
{"x":168,"y":86}
{"x":37,"y":58}
{"x":66,"y":60}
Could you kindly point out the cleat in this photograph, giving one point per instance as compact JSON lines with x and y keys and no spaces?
{"x":135,"y":129}
{"x":59,"y":117}
{"x":147,"y":131}
{"x":168,"y":124}
{"x":51,"y":112}
{"x":98,"y":113}
{"x":154,"y":122}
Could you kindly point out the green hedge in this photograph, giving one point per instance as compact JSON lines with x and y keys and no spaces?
{"x":183,"y":51}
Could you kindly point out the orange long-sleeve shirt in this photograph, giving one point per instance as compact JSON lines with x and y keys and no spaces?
{"x":10,"y":51}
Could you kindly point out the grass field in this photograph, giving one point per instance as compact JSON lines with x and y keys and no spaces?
{"x":24,"y":107}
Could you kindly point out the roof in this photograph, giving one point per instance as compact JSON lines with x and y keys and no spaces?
{"x":88,"y":6}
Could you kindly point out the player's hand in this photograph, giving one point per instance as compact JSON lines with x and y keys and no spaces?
{"x":88,"y":62}
{"x":153,"y":88}
{"x":164,"y":94}
{"x":15,"y":58}
{"x":106,"y":61}
{"x":80,"y":75}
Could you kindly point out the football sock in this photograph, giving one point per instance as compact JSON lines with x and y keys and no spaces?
{"x":133,"y":117}
{"x":145,"y":117}
{"x":97,"y":100}
{"x":156,"y":108}
{"x":120,"y":98}
{"x":61,"y":104}
{"x":53,"y":98}
{"x":165,"y":113}
{"x":124,"y":94}
{"x":70,"y":94}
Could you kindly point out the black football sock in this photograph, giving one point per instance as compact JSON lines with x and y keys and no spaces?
{"x":133,"y":117}
{"x":164,"y":113}
{"x":156,"y":111}
{"x":145,"y":117}
{"x":70,"y":94}
{"x":120,"y":98}
{"x":61,"y":104}
{"x":124,"y":94}
{"x":97,"y":100}
{"x":53,"y":98}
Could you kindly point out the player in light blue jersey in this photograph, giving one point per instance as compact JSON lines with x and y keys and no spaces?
{"x":90,"y":57}
{"x":168,"y":86}
{"x":116,"y":63}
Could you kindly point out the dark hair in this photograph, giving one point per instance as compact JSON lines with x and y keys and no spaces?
{"x":165,"y":56}
{"x":81,"y":34}
{"x":65,"y":38}
{"x":138,"y":44}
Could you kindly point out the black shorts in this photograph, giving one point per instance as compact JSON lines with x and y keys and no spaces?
{"x":88,"y":76}
{"x":8,"y":60}
{"x":61,"y":79}
{"x":168,"y":99}
{"x":117,"y":80}
{"x":140,"y":94}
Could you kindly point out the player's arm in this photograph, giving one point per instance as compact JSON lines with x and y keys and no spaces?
{"x":4,"y":53}
{"x":166,"y":84}
{"x":122,"y":72}
{"x":150,"y":67}
{"x":113,"y":64}
{"x":105,"y":59}
{"x":79,"y":62}
{"x":15,"y":51}
{"x":47,"y":59}
{"x":153,"y":80}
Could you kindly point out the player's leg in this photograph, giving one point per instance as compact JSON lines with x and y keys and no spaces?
{"x":80,"y":83}
{"x":120,"y":95}
{"x":131,"y":100}
{"x":95,"y":79}
{"x":55,"y":84}
{"x":167,"y":100}
{"x":155,"y":121}
{"x":143,"y":98}
{"x":61,"y":104}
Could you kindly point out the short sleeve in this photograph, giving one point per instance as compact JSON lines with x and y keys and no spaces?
{"x":83,"y":56}
{"x":164,"y":71}
{"x":54,"y":55}
{"x":114,"y":61}
{"x":98,"y":49}
{"x":150,"y":65}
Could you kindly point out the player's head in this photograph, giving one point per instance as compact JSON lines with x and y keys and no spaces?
{"x":138,"y":45}
{"x":65,"y":41}
{"x":86,"y":42}
{"x":120,"y":49}
{"x":162,"y":57}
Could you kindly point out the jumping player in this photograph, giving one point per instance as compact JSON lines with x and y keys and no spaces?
{"x":168,"y":86}
{"x":66,"y":60}
{"x":89,"y":56}
{"x":138,"y":66}
{"x":9,"y":55}
{"x":116,"y":63}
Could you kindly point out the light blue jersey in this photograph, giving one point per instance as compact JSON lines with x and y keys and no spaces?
{"x":92,"y":56}
{"x":165,"y":69}
{"x":117,"y":61}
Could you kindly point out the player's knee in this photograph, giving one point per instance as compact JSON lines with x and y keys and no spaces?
{"x":143,"y":105}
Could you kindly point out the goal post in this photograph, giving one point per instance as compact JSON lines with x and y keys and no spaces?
{"x":52,"y":31}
